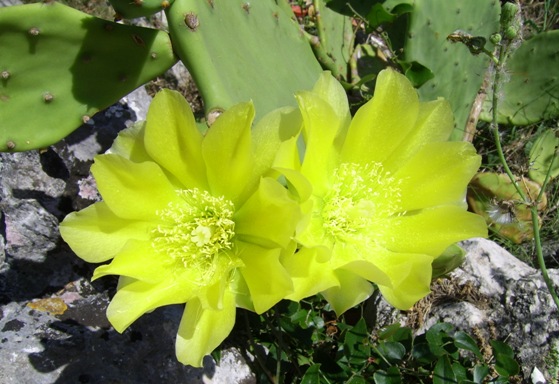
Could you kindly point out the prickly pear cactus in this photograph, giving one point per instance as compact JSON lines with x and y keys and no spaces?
{"x":544,"y":157}
{"x":60,"y":66}
{"x":336,"y":38}
{"x":239,"y":50}
{"x":138,"y":8}
{"x":530,"y":90}
{"x":458,"y":74}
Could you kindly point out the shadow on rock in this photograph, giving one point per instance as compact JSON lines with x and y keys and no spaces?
{"x":26,"y":279}
{"x":144,"y":353}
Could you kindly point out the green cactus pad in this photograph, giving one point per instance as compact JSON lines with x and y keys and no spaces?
{"x":60,"y":66}
{"x":544,"y":156}
{"x":336,"y":38}
{"x":531,"y":93}
{"x":457,"y":73}
{"x":139,"y":8}
{"x":239,"y":50}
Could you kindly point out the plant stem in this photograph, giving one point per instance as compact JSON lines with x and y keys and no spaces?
{"x":525,"y":199}
{"x":255,"y":351}
{"x":495,"y":125}
{"x":539,"y":255}
{"x":278,"y":350}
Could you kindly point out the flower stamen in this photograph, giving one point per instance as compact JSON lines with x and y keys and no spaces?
{"x":360,"y":197}
{"x":196,"y":232}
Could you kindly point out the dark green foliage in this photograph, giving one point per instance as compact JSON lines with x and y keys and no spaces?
{"x":345,"y":350}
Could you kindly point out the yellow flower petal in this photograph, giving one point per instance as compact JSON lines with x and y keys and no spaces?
{"x":227,"y":152}
{"x":130,"y":143}
{"x":431,"y":231}
{"x":134,"y":298}
{"x":202,"y":330}
{"x":406,"y":277}
{"x":139,"y":260}
{"x":438,"y":174}
{"x":97,"y":234}
{"x":413,"y":283}
{"x":324,"y":130}
{"x":133,"y":190}
{"x":434,"y":123}
{"x":330,"y":90}
{"x":172,"y":139}
{"x":266,"y":279}
{"x":310,"y":271}
{"x":263,"y":218}
{"x":371,"y":266}
{"x":269,"y":134}
{"x":379,"y":126}
{"x":351,"y":291}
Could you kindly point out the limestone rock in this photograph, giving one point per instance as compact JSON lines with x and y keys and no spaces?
{"x":494,"y":295}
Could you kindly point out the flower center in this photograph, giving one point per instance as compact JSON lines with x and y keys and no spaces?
{"x":198,"y":232}
{"x":360,"y":197}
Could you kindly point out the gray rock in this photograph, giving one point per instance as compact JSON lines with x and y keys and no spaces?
{"x":493,"y":295}
{"x":9,"y":3}
{"x":138,"y":101}
{"x":520,"y":305}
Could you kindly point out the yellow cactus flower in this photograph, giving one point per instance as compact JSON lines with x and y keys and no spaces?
{"x":388,"y":193}
{"x":192,"y":218}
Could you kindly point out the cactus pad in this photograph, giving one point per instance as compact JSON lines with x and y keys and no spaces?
{"x":239,"y":50}
{"x":530,"y":91}
{"x":60,"y":66}
{"x":138,"y":8}
{"x":458,"y":74}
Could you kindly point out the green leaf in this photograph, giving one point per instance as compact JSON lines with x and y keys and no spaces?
{"x":357,"y":379}
{"x":543,"y":155}
{"x":356,"y":343}
{"x":236,"y":67}
{"x":505,"y":364}
{"x":389,"y":331}
{"x":500,"y":348}
{"x":443,"y":373}
{"x":312,"y":375}
{"x":532,"y":94}
{"x":480,"y":373}
{"x":465,"y":341}
{"x":437,"y":337}
{"x":390,"y":376}
{"x":417,"y":73}
{"x":299,"y":316}
{"x":66,"y":71}
{"x":379,"y":15}
{"x":317,"y":322}
{"x":392,"y":351}
{"x":422,"y":353}
{"x":397,"y":333}
{"x":460,"y":372}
